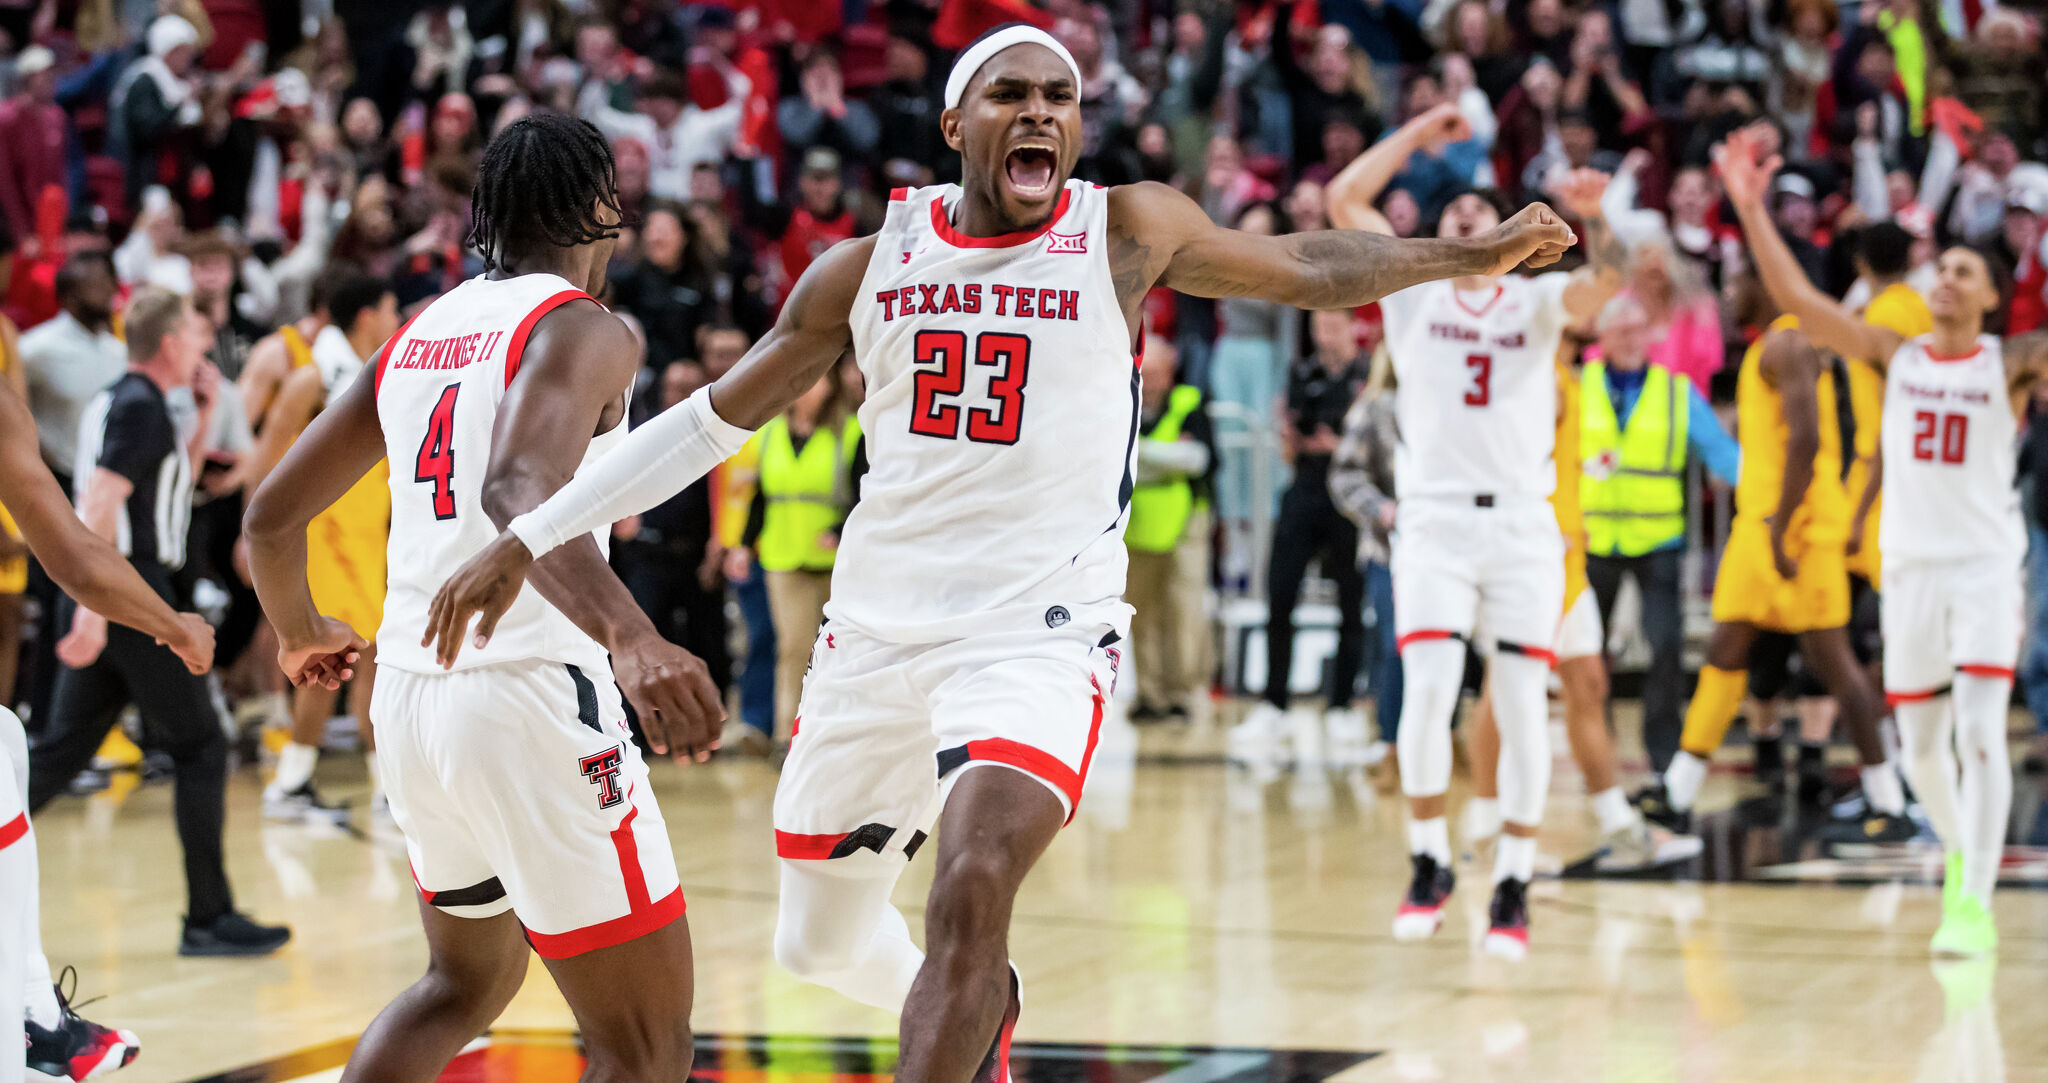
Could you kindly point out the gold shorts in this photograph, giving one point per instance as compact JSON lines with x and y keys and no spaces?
{"x":1748,"y":589}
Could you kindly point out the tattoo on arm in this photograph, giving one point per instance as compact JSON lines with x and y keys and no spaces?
{"x":1604,"y":251}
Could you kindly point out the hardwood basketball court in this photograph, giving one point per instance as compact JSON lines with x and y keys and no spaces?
{"x":1198,"y":923}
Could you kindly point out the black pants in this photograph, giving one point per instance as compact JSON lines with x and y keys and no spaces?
{"x":665,"y":583}
{"x":1657,"y":578}
{"x":177,"y":717}
{"x":1311,"y":528}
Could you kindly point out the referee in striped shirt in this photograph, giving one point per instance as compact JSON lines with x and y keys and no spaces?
{"x":135,"y":467}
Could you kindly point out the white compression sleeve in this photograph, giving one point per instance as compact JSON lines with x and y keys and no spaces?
{"x":655,"y":462}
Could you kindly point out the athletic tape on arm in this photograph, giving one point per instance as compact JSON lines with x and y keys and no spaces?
{"x":654,"y":462}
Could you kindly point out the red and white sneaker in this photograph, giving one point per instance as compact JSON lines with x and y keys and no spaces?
{"x":1507,"y":935}
{"x":77,"y":1049}
{"x":1422,"y":912}
{"x":996,"y":1067}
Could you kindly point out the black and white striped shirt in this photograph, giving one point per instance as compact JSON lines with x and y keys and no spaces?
{"x":128,"y":429}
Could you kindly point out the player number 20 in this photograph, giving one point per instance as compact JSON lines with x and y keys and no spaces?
{"x":1939,"y":437}
{"x":941,"y":357}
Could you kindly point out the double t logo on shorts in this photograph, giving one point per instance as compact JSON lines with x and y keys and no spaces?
{"x":602,"y":769}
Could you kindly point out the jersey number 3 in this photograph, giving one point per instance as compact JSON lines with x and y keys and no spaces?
{"x":436,"y":463}
{"x":934,"y":410}
{"x":1479,"y":369}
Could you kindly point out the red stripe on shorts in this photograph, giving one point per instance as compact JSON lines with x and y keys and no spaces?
{"x":807,"y":847}
{"x":1035,"y":761}
{"x":643,"y":915}
{"x":1088,"y":754}
{"x":1422,"y":634}
{"x":1978,"y":669}
{"x":1896,"y":698}
{"x":13,"y":830}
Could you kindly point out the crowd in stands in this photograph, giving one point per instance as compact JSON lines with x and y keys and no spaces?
{"x":234,"y":150}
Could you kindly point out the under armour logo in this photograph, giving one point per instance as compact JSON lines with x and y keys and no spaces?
{"x":1066,"y":242}
{"x":906,"y":257}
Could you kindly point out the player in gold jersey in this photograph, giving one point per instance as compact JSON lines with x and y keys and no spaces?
{"x":1785,"y":570}
{"x":346,"y":544}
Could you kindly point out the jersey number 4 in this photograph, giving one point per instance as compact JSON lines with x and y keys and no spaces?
{"x":934,"y":407}
{"x":436,"y":464}
{"x":1940,"y":437}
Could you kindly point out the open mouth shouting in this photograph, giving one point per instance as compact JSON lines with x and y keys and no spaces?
{"x":1031,"y":167}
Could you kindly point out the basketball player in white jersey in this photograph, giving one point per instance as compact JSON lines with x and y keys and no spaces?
{"x":976,"y":616}
{"x":525,"y":805}
{"x":1950,"y":530}
{"x":1477,"y":546}
{"x":56,"y":1041}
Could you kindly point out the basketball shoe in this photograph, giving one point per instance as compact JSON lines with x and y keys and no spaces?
{"x":77,"y":1049}
{"x":1507,"y":934}
{"x":1422,"y":912}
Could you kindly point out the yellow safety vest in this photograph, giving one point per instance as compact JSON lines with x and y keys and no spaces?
{"x":1633,"y":479}
{"x":807,"y":493}
{"x":1160,"y":509}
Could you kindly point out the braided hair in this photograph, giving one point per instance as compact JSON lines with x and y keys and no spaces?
{"x":539,"y":185}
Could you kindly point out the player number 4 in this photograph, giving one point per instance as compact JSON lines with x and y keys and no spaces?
{"x":437,"y":453}
{"x":942,"y":376}
{"x":1940,"y":437}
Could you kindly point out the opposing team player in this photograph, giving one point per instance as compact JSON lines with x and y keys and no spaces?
{"x":56,"y":1041}
{"x":976,"y":612}
{"x":1784,"y":569}
{"x":1951,"y":532}
{"x":524,"y":803}
{"x":345,"y":544}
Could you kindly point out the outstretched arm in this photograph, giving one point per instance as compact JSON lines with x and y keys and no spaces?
{"x":335,"y":451}
{"x":1822,"y":320}
{"x":86,"y":565}
{"x":678,"y":446}
{"x":1352,"y":192}
{"x":1160,"y":236}
{"x":1582,"y":191}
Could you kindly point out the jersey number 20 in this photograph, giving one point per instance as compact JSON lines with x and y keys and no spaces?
{"x":1937,"y":436}
{"x":933,"y":408}
{"x":437,"y":453}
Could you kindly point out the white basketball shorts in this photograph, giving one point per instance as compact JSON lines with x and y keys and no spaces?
{"x":518,"y":788}
{"x":1944,"y":617}
{"x":1580,"y":634}
{"x":882,"y":726}
{"x":1459,"y":567}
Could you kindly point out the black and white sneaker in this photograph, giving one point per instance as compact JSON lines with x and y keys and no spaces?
{"x":1654,"y":802}
{"x":1507,"y":933}
{"x":1422,"y":912}
{"x":303,"y":805}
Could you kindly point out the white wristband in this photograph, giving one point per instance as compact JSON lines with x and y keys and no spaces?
{"x":655,"y":461}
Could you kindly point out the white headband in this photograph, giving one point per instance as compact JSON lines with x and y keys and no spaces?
{"x":981,"y":52}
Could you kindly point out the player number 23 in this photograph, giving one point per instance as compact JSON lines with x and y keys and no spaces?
{"x":1939,"y":437}
{"x":941,"y":357}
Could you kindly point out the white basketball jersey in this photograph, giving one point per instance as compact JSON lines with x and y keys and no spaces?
{"x":439,"y":382}
{"x":1478,"y":387}
{"x":1950,"y":450}
{"x":1001,"y":422}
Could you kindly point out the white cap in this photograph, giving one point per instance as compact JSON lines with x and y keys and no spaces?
{"x":168,"y":32}
{"x":34,"y":59}
{"x":984,"y":50}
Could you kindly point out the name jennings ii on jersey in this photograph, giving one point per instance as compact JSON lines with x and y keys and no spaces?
{"x":439,"y":384}
{"x":1001,"y":418}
